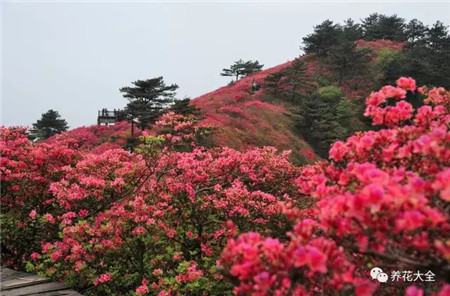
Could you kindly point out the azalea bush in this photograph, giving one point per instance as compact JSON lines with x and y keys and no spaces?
{"x":165,"y":230}
{"x":26,"y":172}
{"x":174,"y":217}
{"x":382,"y":200}
{"x":165,"y":214}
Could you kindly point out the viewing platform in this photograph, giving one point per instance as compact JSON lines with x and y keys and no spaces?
{"x":107,"y":117}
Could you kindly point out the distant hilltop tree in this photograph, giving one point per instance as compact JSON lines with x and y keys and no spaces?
{"x":328,"y":35}
{"x":148,"y":99}
{"x":241,"y":69}
{"x":322,"y":39}
{"x":424,"y":53}
{"x":50,"y":124}
{"x":379,"y":26}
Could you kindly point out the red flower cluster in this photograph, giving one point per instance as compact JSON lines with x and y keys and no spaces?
{"x":170,"y":214}
{"x":176,"y":218}
{"x":382,"y":200}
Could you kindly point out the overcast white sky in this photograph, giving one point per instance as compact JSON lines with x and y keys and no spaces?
{"x":74,"y":56}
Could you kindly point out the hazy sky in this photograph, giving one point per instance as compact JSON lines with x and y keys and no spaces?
{"x":74,"y":56}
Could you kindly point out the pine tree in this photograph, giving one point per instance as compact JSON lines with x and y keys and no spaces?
{"x":426,"y":56}
{"x":379,"y":26}
{"x":50,"y":124}
{"x":241,"y":69}
{"x":148,"y":99}
{"x":415,"y":31}
{"x":184,"y":107}
{"x":351,"y":31}
{"x":292,"y":83}
{"x":325,"y":117}
{"x":324,"y":37}
{"x":347,"y":61}
{"x":335,"y":46}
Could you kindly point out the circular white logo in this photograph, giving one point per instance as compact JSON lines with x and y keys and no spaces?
{"x":382,"y":277}
{"x":378,"y":274}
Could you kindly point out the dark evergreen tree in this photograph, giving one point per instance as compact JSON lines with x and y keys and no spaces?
{"x":326,"y":117}
{"x":347,"y":61}
{"x":241,"y":69}
{"x":415,"y":31}
{"x":379,"y":26}
{"x":351,"y":31}
{"x":438,"y":43}
{"x":336,"y":47}
{"x":324,"y":37}
{"x":184,"y":107}
{"x":426,"y":56}
{"x":292,"y":83}
{"x":50,"y":124}
{"x":392,"y":66}
{"x":148,"y":99}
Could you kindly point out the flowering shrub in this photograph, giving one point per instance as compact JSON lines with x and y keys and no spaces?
{"x":177,"y":218}
{"x":26,"y":171}
{"x":88,"y":138}
{"x":170,"y":230}
{"x":382,"y":200}
{"x":181,"y":132}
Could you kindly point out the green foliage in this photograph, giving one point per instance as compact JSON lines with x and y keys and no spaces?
{"x":148,"y":99}
{"x":242,"y":68}
{"x":425,"y":57}
{"x":330,"y":94}
{"x":335,"y":46}
{"x":290,"y":84}
{"x":183,"y":107}
{"x":50,"y":124}
{"x":347,"y":61}
{"x":327,"y":35}
{"x":428,"y":59}
{"x":378,"y":26}
{"x":204,"y":136}
{"x":28,"y":238}
{"x":326,"y":117}
{"x":426,"y":54}
{"x":324,"y":37}
{"x":415,"y":31}
{"x":150,"y":145}
{"x":390,"y":63}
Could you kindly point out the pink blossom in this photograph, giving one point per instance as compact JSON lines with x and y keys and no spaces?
{"x":393,"y":92}
{"x":407,"y":83}
{"x":56,"y":255}
{"x":444,"y":291}
{"x":338,"y":151}
{"x":35,"y":256}
{"x":49,"y":218}
{"x":414,"y":291}
{"x":311,"y":257}
{"x":410,"y":220}
{"x":143,"y":288}
{"x":103,"y":278}
{"x":33,"y":214}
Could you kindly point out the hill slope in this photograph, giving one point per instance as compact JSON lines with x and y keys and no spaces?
{"x":245,"y":119}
